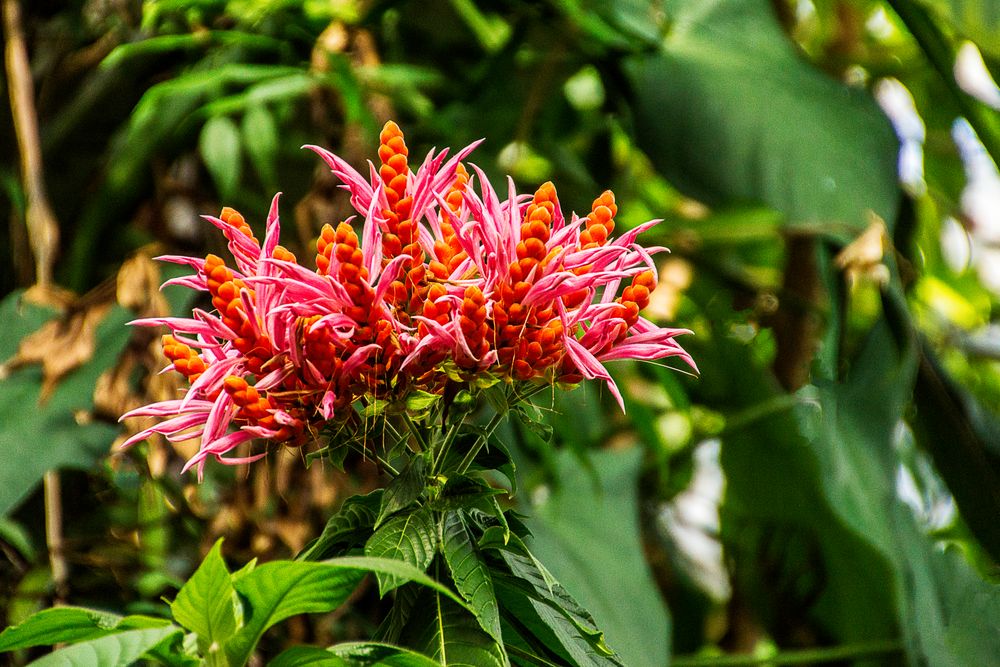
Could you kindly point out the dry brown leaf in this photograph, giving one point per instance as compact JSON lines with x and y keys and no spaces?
{"x":862,"y":257}
{"x":60,"y":345}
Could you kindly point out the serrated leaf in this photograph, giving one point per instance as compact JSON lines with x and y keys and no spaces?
{"x":219,"y":145}
{"x":451,"y":635}
{"x":207,"y":604}
{"x":66,"y":625}
{"x":472,"y":493}
{"x":411,"y":538}
{"x":350,"y":526}
{"x":370,"y":654}
{"x":404,"y":490}
{"x":571,"y":624}
{"x":470,"y":573}
{"x":121,"y":648}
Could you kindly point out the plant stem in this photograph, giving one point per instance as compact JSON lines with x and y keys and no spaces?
{"x":811,"y":656}
{"x":54,"y":536}
{"x":481,"y":441}
{"x":416,"y":432}
{"x":43,"y":230}
{"x":442,"y":452}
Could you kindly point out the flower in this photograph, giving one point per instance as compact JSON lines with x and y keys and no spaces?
{"x":444,"y":284}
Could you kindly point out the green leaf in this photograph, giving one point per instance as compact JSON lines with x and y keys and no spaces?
{"x":370,"y":654}
{"x":978,"y":20}
{"x":942,"y":604}
{"x":350,"y":526}
{"x":67,"y":625}
{"x":404,"y":490}
{"x":308,"y":656}
{"x":68,"y":443}
{"x":219,"y":145}
{"x":963,"y":438}
{"x":450,"y":634}
{"x":411,"y":538}
{"x":121,"y":648}
{"x":530,"y":586}
{"x":207,"y":604}
{"x":728,"y":111}
{"x":575,"y":516}
{"x":470,"y":573}
{"x":419,"y":400}
{"x":260,"y":138}
{"x":274,"y":591}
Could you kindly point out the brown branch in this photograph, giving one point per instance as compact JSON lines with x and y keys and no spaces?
{"x":43,"y":230}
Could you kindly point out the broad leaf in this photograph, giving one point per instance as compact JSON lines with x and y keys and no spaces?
{"x":822,"y":154}
{"x":411,"y":538}
{"x":121,"y":648}
{"x":207,"y":604}
{"x":577,"y":515}
{"x":68,"y":443}
{"x":531,"y":586}
{"x":274,"y":591}
{"x":942,"y":603}
{"x":404,"y":490}
{"x":350,"y":526}
{"x":66,"y":625}
{"x":470,"y":572}
{"x":450,"y":634}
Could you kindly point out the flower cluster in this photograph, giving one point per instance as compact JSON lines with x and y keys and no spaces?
{"x":446,"y":283}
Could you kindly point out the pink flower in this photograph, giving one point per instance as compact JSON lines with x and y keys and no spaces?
{"x":443,"y":283}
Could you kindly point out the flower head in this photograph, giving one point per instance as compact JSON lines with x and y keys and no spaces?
{"x":446,"y":282}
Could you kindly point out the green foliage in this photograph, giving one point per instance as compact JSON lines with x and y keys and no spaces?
{"x":26,"y":414}
{"x":765,"y":112}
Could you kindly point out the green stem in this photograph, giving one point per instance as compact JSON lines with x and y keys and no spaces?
{"x":481,"y":441}
{"x":811,"y":656}
{"x":416,"y":432}
{"x":442,"y":453}
{"x":941,"y":53}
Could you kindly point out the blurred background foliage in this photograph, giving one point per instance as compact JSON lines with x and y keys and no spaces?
{"x":827,"y":489}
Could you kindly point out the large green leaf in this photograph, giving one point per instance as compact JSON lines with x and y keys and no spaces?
{"x":274,"y":591}
{"x":728,"y":111}
{"x":411,"y":538}
{"x":42,"y":436}
{"x":538,"y":602}
{"x":577,"y":515}
{"x":66,"y":625}
{"x":207,"y":604}
{"x":450,"y":634}
{"x":979,"y":20}
{"x":943,"y":606}
{"x":469,"y":571}
{"x":121,"y":648}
